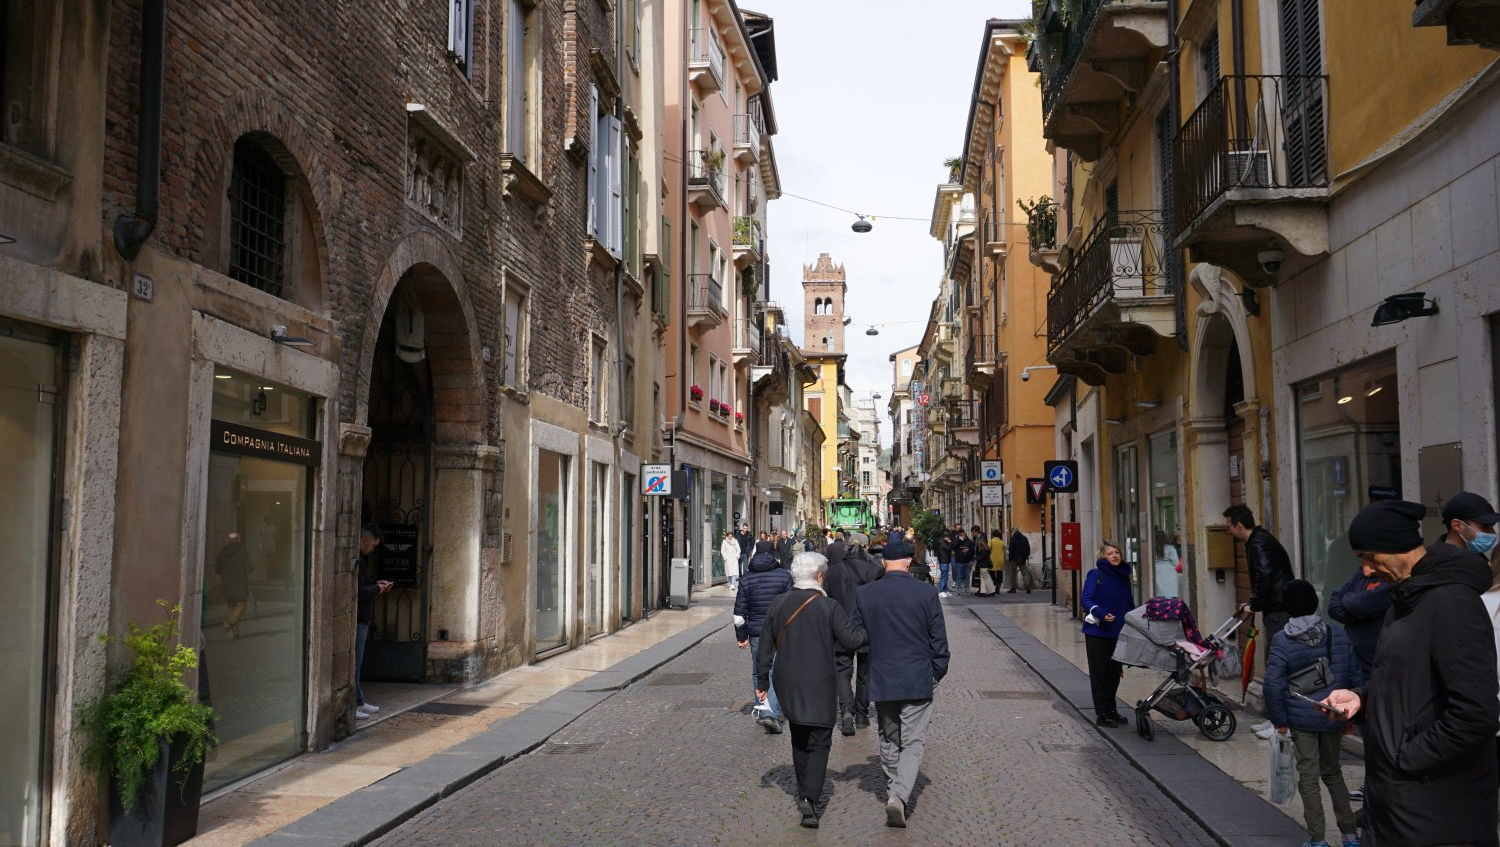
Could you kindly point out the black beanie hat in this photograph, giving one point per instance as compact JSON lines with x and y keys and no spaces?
{"x":762,"y":546}
{"x":1300,"y":597}
{"x":1387,"y":526}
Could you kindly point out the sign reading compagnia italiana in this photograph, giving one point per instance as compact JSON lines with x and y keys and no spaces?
{"x":264,"y":444}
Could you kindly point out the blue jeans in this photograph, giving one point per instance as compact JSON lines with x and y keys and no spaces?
{"x":771,"y":700}
{"x":943,"y":575}
{"x":361,"y":632}
{"x":961,"y":573}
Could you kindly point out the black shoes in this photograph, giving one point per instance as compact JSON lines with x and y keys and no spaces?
{"x":770,"y":725}
{"x":809,"y":814}
{"x":846,"y":726}
{"x":895,"y":813}
{"x":1112,"y":719}
{"x":861,"y":722}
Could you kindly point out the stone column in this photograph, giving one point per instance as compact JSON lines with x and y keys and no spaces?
{"x":461,"y":599}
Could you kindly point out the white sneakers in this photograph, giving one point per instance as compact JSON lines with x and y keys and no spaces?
{"x":1264,"y":730}
{"x":365,"y":711}
{"x":944,"y":594}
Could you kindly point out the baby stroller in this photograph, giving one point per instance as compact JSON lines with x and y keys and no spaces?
{"x":1185,"y":693}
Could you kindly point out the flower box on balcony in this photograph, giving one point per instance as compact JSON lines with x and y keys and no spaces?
{"x":695,"y":394}
{"x":713,"y":405}
{"x":739,"y":417}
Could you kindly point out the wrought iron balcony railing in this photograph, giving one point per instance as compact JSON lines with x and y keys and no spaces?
{"x":1123,"y":258}
{"x":1060,"y":51}
{"x":1257,"y":132}
{"x":981,"y":352}
{"x":705,"y":294}
{"x":746,"y":138}
{"x":1041,"y":226}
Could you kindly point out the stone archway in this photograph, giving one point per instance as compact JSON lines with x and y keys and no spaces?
{"x":1220,"y":426}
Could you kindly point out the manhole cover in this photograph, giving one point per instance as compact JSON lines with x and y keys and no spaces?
{"x":460,"y":709}
{"x":1012,"y":695}
{"x":706,"y":704}
{"x":679,"y":679}
{"x":589,"y":747}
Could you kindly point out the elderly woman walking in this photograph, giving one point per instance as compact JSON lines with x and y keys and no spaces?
{"x":803,"y":630}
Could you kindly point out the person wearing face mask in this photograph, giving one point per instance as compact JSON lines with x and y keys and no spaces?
{"x":1470,"y":523}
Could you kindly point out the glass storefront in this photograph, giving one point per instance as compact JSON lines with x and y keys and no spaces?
{"x":551,"y":555}
{"x":1128,"y":509}
{"x":1166,"y":535}
{"x":720,"y":519}
{"x":255,"y":573}
{"x":28,"y":429}
{"x":1349,"y":447}
{"x":598,"y":530}
{"x":627,"y":544}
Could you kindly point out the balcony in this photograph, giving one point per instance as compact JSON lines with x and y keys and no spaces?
{"x":1092,"y":57}
{"x":979,"y":360}
{"x":746,"y":139}
{"x":747,"y":341}
{"x":962,"y":427}
{"x":994,"y":238}
{"x":1041,"y":234}
{"x":1249,"y":166}
{"x":749,"y":241}
{"x":1468,"y":21}
{"x":705,"y":305}
{"x":705,"y":179}
{"x":706,"y":64}
{"x":947,"y":338}
{"x":1114,"y":299}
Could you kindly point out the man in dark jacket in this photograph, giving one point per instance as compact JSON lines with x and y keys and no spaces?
{"x":1017,"y":555}
{"x":1429,"y":706}
{"x":945,"y":561}
{"x":369,"y":541}
{"x":763,"y":582}
{"x":908,"y":657}
{"x":848,"y":569}
{"x":1360,"y":605}
{"x":1270,"y":567}
{"x":784,"y":549}
{"x":804,"y":628}
{"x":746,"y":541}
{"x":963,"y":561}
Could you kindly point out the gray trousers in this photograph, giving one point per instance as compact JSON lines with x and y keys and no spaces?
{"x":903,"y":732}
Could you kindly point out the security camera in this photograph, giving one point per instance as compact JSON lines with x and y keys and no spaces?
{"x":1270,"y":260}
{"x":1026,"y":376}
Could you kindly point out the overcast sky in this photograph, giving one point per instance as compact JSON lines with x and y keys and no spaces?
{"x":872,"y":96}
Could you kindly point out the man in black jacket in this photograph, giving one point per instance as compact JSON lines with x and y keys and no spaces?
{"x":1017,"y":555}
{"x":848,"y":569}
{"x":1429,"y":707}
{"x":1270,"y":568}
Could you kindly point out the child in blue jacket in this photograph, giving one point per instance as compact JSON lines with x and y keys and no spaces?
{"x":1316,"y":734}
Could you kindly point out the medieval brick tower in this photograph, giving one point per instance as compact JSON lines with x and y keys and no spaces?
{"x":823,"y":290}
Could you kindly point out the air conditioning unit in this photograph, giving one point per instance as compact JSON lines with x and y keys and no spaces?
{"x":1248,"y":168}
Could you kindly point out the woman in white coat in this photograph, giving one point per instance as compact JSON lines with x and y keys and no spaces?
{"x":730,"y":551}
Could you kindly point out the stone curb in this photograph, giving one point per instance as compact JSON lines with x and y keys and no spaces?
{"x":1235,"y":816}
{"x":365,"y":815}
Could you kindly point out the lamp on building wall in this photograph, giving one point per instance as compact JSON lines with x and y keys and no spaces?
{"x":1399,"y":307}
{"x":278,"y":335}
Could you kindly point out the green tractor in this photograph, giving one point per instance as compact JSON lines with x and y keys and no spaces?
{"x":850,"y":514}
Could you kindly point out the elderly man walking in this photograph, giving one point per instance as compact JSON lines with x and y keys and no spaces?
{"x":908,"y":657}
{"x":800,"y":635}
{"x":1429,"y":705}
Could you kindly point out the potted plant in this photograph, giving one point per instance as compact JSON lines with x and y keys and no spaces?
{"x":713,"y":160}
{"x":724,"y":409}
{"x":695,"y":393}
{"x":149,"y":737}
{"x":749,"y":284}
{"x":739,"y":418}
{"x":955,"y":165}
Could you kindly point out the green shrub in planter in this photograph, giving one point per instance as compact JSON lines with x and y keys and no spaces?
{"x":150,"y":704}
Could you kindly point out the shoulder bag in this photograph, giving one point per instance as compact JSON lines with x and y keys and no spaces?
{"x":1316,"y":676}
{"x":793,"y":617}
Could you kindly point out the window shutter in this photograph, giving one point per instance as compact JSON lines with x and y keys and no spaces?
{"x":616,"y":187}
{"x":1302,"y":96}
{"x":593,"y":181}
{"x":460,"y":24}
{"x":516,"y":105}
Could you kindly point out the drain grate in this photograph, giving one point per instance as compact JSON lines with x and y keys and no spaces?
{"x":679,"y":679}
{"x":566,"y":748}
{"x":1012,"y":695}
{"x":706,"y":704}
{"x":458,"y":709}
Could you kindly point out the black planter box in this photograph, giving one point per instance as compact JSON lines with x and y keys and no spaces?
{"x":166,"y":809}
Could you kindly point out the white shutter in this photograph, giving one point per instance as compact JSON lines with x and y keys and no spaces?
{"x":456,"y":20}
{"x":616,"y":181}
{"x":516,"y":88}
{"x":596,"y":128}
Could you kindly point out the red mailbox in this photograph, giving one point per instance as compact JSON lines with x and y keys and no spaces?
{"x":1070,"y":557}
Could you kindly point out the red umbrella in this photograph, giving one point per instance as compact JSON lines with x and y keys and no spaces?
{"x":1247,"y":669}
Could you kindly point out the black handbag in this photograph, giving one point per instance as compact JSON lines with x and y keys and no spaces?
{"x":1316,"y":676}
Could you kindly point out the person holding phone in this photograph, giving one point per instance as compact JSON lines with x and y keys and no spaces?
{"x":369,"y":541}
{"x":1309,"y":660}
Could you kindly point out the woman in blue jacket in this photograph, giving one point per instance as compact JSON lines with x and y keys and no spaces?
{"x":1107,"y":596}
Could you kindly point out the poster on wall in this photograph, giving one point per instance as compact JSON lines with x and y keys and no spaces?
{"x":399,"y":554}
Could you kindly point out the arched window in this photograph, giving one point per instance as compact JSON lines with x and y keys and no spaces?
{"x":269,"y":234}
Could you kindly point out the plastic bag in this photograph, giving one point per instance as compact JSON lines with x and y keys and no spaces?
{"x":1228,"y":665}
{"x":1283,"y":771}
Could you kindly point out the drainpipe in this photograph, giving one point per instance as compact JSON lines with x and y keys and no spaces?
{"x":1174,"y":114}
{"x":131,"y":231}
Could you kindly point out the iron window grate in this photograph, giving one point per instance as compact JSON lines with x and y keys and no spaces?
{"x":257,"y":203}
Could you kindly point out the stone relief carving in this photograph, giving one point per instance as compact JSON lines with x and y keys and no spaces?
{"x":434,"y":180}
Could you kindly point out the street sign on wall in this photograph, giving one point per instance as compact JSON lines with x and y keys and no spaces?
{"x":1062,"y":476}
{"x":656,"y":480}
{"x":992,"y":495}
{"x":991,"y":471}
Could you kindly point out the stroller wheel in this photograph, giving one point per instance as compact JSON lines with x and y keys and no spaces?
{"x":1217,"y":722}
{"x":1143,"y":725}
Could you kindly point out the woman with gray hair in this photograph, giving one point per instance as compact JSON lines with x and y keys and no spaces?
{"x":803,"y":630}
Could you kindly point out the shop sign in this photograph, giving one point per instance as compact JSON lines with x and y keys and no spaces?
{"x":263,"y":444}
{"x":398,"y":554}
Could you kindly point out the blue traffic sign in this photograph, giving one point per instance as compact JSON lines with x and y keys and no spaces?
{"x":1062,"y":476}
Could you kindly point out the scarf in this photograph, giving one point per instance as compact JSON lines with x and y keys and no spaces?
{"x":810,"y":585}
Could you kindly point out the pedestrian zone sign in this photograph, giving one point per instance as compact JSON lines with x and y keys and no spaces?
{"x":656,"y":480}
{"x":991,"y":495}
{"x":991,"y":470}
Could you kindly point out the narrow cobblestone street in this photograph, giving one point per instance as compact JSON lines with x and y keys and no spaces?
{"x":675,"y":759}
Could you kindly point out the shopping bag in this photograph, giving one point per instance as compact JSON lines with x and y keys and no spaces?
{"x":1282,"y":768}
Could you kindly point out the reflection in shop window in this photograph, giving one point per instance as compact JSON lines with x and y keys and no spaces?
{"x":1349,"y":447}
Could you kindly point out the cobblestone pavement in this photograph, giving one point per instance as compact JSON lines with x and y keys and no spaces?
{"x":675,"y":759}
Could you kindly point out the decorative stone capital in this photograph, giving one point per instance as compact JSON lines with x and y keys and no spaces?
{"x":354,"y":440}
{"x":479,"y":457}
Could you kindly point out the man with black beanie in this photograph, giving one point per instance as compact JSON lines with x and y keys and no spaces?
{"x":1429,"y":707}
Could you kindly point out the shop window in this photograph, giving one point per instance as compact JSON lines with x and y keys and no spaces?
{"x":1349,"y":451}
{"x":597,"y":380}
{"x":1166,"y":538}
{"x":22,"y":73}
{"x":552,"y":542}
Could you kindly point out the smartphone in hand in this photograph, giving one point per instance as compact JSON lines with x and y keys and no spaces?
{"x":1332,"y":711}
